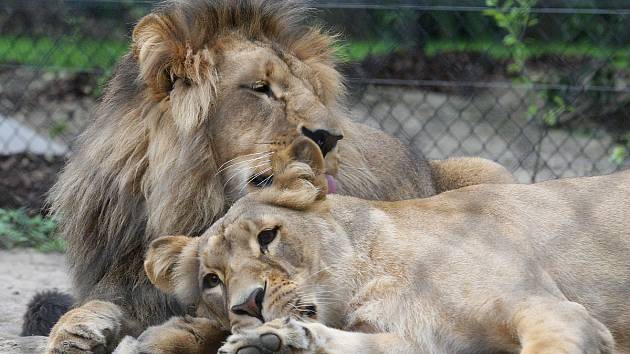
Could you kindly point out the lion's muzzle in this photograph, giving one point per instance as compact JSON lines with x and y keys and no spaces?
{"x":323,"y":138}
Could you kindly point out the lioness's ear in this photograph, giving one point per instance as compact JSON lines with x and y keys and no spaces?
{"x":298,"y":176}
{"x":306,"y":151}
{"x":165,"y":254}
{"x":172,"y":59}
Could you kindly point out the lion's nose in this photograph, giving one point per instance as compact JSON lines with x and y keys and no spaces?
{"x":252,"y":306}
{"x":323,"y":138}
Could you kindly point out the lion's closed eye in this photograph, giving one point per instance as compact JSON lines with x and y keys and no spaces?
{"x":261,"y":87}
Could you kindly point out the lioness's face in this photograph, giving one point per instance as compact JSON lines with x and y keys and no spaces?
{"x":267,"y":257}
{"x":263,"y":265}
{"x":267,"y":98}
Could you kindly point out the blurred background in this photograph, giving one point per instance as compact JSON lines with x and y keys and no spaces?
{"x":541,"y":87}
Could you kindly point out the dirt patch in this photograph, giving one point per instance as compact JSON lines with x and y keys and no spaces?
{"x":23,"y":273}
{"x":25,"y":179}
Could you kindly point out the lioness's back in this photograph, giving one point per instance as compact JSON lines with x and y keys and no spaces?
{"x":576,"y":229}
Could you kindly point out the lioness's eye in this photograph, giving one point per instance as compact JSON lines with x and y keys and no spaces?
{"x":211,"y":280}
{"x":262,"y":87}
{"x":265,"y":237}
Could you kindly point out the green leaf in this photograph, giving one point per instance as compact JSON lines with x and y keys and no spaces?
{"x":619,"y":154}
{"x":509,"y":40}
{"x":558,"y":100}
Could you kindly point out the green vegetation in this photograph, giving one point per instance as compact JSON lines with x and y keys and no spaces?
{"x":18,"y":229}
{"x":622,"y":151}
{"x":88,"y":54}
{"x":58,"y":128}
{"x":534,"y":49}
{"x":515,"y":17}
{"x":358,"y":50}
{"x":64,"y":53}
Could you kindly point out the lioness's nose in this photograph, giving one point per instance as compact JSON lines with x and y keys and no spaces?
{"x":323,"y":138}
{"x":252,"y":306}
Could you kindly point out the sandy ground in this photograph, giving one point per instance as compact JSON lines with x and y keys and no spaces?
{"x":22,"y":274}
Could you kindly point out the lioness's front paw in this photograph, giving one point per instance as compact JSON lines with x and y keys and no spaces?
{"x":278,"y":336}
{"x":88,"y":329}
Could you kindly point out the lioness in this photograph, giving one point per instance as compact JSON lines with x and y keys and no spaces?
{"x":209,"y":92}
{"x":540,"y":268}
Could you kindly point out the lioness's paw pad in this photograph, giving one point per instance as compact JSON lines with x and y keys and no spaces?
{"x":279,"y":336}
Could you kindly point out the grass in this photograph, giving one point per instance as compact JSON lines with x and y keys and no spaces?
{"x":619,"y":56}
{"x":358,"y":50}
{"x":61,"y":53}
{"x":18,"y":229}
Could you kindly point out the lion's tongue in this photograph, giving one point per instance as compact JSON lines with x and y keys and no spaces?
{"x":332,"y":185}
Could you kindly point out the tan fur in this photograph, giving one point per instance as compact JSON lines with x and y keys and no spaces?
{"x":539,"y":268}
{"x":180,"y":134}
{"x":459,"y":172}
{"x":176,"y":336}
{"x":160,"y":264}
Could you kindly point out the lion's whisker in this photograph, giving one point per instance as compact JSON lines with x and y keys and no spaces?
{"x":254,"y":177}
{"x":242,"y":156}
{"x":232,"y":163}
{"x":237,"y":172}
{"x":224,"y":167}
{"x":240,"y":170}
{"x":267,"y":179}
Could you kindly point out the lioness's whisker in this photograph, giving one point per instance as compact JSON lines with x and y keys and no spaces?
{"x":317,"y":297}
{"x":311,"y":276}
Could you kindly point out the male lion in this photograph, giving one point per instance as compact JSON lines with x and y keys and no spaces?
{"x":540,"y":268}
{"x":188,"y":124}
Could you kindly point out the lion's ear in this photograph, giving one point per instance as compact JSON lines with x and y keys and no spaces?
{"x":165,"y":254}
{"x":175,"y":62}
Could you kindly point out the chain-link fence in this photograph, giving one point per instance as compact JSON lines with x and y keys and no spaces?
{"x":542,"y":88}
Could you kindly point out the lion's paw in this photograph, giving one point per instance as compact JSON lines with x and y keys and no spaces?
{"x":84,"y":331}
{"x":278,"y":336}
{"x":79,"y":338}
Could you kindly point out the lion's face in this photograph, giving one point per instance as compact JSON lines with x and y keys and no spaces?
{"x":243,"y":95}
{"x":264,"y":103}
